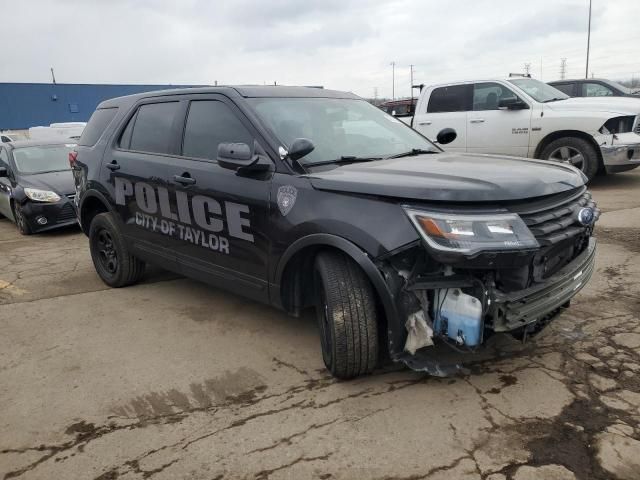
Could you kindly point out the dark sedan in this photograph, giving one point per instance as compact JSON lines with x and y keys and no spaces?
{"x":36,"y":185}
{"x":594,"y":87}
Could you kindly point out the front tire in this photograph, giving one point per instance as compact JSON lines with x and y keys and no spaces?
{"x":21,"y":220}
{"x":347,"y":316}
{"x":111,"y":257}
{"x":575,"y":151}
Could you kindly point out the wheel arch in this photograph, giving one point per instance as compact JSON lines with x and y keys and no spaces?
{"x":93,"y":203}
{"x":289,"y":285}
{"x":567,"y":133}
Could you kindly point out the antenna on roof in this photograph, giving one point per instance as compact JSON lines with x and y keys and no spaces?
{"x":53,"y":76}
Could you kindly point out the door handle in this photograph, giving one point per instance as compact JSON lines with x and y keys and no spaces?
{"x":476,"y":120}
{"x":184,"y":179}
{"x":113,"y":166}
{"x":428,"y":122}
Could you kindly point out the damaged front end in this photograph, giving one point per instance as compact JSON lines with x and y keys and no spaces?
{"x":481,"y":272}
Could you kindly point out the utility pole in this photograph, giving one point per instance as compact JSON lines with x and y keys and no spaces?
{"x":527,"y":69}
{"x":411,"y":86}
{"x":586,"y":72}
{"x":53,"y":76}
{"x":563,"y":68}
{"x":393,"y":80}
{"x":375,"y":96}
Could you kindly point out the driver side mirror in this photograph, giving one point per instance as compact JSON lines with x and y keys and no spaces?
{"x":512,"y":103}
{"x":300,"y":147}
{"x":4,"y":172}
{"x":446,"y":135}
{"x":237,"y":156}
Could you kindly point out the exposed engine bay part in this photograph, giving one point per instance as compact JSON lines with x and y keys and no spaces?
{"x":419,"y":334}
{"x":458,"y":316}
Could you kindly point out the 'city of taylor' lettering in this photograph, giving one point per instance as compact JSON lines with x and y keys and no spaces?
{"x":157,"y":215}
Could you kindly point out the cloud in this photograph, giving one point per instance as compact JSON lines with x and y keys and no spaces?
{"x":342,"y":44}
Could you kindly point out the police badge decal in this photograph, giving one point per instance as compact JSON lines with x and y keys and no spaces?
{"x":286,"y":198}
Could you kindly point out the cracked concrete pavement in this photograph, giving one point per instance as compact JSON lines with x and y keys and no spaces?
{"x":174,"y":379}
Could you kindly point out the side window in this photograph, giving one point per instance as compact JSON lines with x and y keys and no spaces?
{"x":596,"y":90}
{"x":4,"y":158}
{"x":153,"y":128}
{"x":487,"y":96}
{"x":98,"y":122}
{"x":456,"y":98}
{"x":568,"y":88}
{"x":125,"y":138}
{"x":209,"y":123}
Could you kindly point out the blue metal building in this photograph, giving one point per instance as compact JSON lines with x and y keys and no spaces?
{"x":24,"y":105}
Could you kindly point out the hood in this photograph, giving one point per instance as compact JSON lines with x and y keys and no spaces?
{"x":618,"y":105}
{"x":59,"y":182}
{"x":451,"y":177}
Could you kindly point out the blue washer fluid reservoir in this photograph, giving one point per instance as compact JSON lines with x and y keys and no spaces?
{"x":458,"y":316}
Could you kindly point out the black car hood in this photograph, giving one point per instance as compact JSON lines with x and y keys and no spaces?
{"x":59,"y":182}
{"x":451,"y":177}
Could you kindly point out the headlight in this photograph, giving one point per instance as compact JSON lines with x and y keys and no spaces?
{"x":618,"y":125}
{"x":41,"y":195}
{"x":470,"y":234}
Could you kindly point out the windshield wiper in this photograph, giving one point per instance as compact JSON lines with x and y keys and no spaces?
{"x":554,"y":99}
{"x":411,"y":153}
{"x":345,"y":159}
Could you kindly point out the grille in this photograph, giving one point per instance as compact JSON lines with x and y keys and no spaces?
{"x":67,"y":213}
{"x":555,"y":223}
{"x":637,"y":127}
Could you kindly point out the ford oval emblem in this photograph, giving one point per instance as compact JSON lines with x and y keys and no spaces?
{"x":586,"y":216}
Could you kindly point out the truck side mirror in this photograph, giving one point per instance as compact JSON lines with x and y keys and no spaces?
{"x":446,"y":135}
{"x":3,"y":172}
{"x":300,"y":147}
{"x":512,"y":103}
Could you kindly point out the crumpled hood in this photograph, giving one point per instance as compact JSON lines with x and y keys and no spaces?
{"x":59,"y":182}
{"x":617,"y":105}
{"x":451,"y":176}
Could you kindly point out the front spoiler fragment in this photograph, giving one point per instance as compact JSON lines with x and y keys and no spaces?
{"x":526,"y":307}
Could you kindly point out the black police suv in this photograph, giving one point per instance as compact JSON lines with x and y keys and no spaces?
{"x":36,"y":185}
{"x":300,"y":197}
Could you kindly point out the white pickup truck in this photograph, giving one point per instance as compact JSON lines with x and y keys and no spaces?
{"x":528,"y":118}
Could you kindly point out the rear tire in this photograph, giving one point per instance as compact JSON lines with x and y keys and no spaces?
{"x":111,"y":257}
{"x":347,"y":316}
{"x":575,"y":151}
{"x":21,"y":220}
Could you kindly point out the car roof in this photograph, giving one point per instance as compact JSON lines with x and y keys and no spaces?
{"x":247,"y":91}
{"x":39,"y":143}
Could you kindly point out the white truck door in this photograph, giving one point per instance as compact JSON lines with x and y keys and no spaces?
{"x":445,"y":107}
{"x":495,"y":129}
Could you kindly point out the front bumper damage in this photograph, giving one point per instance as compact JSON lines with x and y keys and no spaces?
{"x":620,"y":151}
{"x":521,"y":313}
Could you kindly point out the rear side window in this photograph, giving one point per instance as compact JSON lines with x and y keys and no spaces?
{"x":209,"y":123}
{"x":455,"y":98}
{"x":568,"y":88}
{"x":98,"y":123}
{"x":153,"y":127}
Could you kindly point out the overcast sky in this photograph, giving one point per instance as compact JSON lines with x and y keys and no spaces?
{"x":341,"y":44}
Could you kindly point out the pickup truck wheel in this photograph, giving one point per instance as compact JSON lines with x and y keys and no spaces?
{"x":347,"y":317}
{"x":575,"y":151}
{"x":111,"y":258}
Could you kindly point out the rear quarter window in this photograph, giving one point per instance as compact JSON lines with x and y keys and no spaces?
{"x":98,"y":123}
{"x":454,"y":98}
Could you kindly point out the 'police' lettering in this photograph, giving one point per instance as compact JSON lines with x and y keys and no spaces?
{"x":235,"y":222}
{"x":124,"y":188}
{"x":146,"y":198}
{"x":203,"y":208}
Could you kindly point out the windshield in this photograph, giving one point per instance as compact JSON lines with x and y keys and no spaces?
{"x":619,"y":86}
{"x":338,"y":128}
{"x":41,"y":159}
{"x":538,"y":90}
